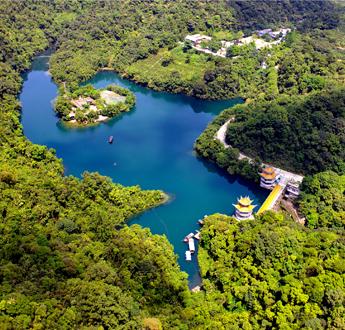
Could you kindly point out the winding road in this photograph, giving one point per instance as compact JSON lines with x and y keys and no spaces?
{"x":286,"y":175}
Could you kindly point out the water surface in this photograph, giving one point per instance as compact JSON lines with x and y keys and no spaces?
{"x":153,"y":147}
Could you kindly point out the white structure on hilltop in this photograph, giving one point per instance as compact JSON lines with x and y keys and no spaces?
{"x":197,"y":39}
{"x":277,"y":36}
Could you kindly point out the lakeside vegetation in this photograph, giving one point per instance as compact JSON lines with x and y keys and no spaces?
{"x":304,"y":134}
{"x":270,"y":273}
{"x":87,"y":105}
{"x":212,"y":149}
{"x":68,"y":260}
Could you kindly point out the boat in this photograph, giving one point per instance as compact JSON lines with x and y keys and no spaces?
{"x":110,"y":139}
{"x":201,"y":222}
{"x":190,"y":235}
{"x":191,"y":245}
{"x":197,"y":235}
{"x":188,"y":256}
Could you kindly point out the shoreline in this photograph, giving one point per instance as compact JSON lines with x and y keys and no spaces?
{"x":75,"y":124}
{"x":221,"y":135}
{"x":125,"y":75}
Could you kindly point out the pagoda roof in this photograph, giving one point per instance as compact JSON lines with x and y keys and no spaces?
{"x":268,"y":176}
{"x":269,"y":170}
{"x":244,"y":201}
{"x":244,"y":209}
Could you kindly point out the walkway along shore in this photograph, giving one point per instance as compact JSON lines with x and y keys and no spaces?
{"x":286,"y":176}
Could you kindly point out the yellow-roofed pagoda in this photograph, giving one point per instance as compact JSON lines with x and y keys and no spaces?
{"x":244,"y":208}
{"x":269,"y":177}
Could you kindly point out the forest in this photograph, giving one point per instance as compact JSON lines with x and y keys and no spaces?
{"x":304,"y":134}
{"x":151,"y":55}
{"x":67,"y":258}
{"x":323,"y":200}
{"x":270,"y":274}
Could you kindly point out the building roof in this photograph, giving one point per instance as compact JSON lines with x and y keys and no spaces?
{"x":269,"y":170}
{"x":244,"y":209}
{"x":244,"y":201}
{"x":81,"y":101}
{"x":267,"y":176}
{"x":268,"y":173}
{"x":271,"y":199}
{"x":197,"y":37}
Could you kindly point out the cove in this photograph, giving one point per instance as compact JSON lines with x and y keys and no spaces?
{"x":153,"y":147}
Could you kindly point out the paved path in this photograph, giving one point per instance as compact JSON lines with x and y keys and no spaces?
{"x":286,"y":175}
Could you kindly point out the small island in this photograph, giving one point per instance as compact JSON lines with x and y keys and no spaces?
{"x":88,"y":105}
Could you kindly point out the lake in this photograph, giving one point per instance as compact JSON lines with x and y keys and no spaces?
{"x":153,"y":147}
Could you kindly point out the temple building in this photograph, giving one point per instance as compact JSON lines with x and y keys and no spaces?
{"x":269,"y":177}
{"x":244,"y":208}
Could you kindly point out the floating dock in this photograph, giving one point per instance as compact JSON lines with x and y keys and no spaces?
{"x":191,"y":245}
{"x":190,"y":235}
{"x":188,"y":256}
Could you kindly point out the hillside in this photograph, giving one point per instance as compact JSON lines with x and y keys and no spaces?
{"x":67,"y":258}
{"x":303,"y":134}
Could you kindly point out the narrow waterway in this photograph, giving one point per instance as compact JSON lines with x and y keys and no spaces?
{"x":153,"y":147}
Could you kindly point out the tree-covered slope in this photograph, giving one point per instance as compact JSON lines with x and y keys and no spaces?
{"x":270,"y":273}
{"x":134,"y":38}
{"x":67,"y":259}
{"x":262,"y":14}
{"x":323,"y":200}
{"x":305,"y":134}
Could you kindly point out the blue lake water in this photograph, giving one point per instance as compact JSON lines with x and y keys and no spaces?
{"x":153,"y":147}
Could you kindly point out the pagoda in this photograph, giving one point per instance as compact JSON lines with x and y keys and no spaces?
{"x":244,"y":208}
{"x":269,"y":177}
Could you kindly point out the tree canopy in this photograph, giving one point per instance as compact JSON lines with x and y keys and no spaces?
{"x":67,"y":258}
{"x":305,"y":134}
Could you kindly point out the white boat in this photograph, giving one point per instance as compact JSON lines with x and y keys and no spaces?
{"x":191,"y":245}
{"x":188,"y":256}
{"x":190,"y":235}
{"x":197,"y":235}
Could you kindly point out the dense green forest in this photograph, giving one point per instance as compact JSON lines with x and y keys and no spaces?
{"x":309,"y":14}
{"x":289,"y":68}
{"x":67,"y":258}
{"x":304,"y":134}
{"x":226,"y":158}
{"x":270,"y":274}
{"x":142,"y":42}
{"x":323,"y":200}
